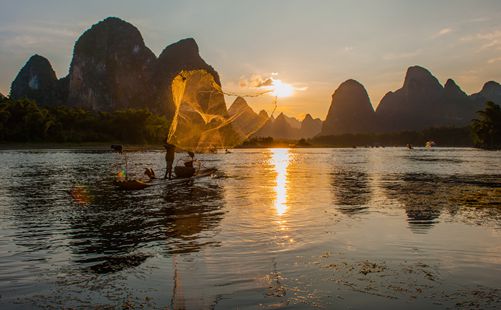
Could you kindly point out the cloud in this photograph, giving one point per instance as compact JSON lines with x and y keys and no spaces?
{"x":405,"y":55}
{"x":36,"y":34}
{"x":255,"y":81}
{"x":303,"y":88}
{"x":442,"y":32}
{"x":493,"y":60}
{"x":260,"y":82}
{"x":485,"y":40}
{"x":253,"y":85}
{"x":267,"y":82}
{"x":491,"y":39}
{"x":479,"y":19}
{"x":242,"y":83}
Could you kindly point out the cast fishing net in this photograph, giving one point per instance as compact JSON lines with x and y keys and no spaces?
{"x":201,"y":121}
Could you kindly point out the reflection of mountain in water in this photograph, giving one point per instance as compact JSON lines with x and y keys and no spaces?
{"x":426,"y":196}
{"x":421,"y":199}
{"x":120,"y":224}
{"x":351,"y":191}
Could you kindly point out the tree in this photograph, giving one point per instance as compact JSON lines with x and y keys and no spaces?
{"x":23,"y":121}
{"x":486,"y":129}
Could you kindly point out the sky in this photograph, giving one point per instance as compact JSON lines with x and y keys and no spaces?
{"x":312,"y":45}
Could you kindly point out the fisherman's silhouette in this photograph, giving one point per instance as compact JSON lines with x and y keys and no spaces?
{"x":170,"y":153}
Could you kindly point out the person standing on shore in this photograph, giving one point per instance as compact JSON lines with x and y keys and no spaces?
{"x":170,"y":152}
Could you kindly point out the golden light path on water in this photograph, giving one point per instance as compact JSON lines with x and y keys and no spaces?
{"x":280,"y":159}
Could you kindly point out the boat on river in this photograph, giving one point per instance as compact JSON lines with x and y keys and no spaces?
{"x":182,"y":173}
{"x":132,"y":184}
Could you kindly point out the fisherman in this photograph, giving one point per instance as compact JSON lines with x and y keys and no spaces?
{"x":170,"y":152}
{"x":188,"y":161}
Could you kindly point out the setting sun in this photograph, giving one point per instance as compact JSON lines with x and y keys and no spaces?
{"x":281,"y":89}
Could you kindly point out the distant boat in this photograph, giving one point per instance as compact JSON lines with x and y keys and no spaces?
{"x":117,"y":148}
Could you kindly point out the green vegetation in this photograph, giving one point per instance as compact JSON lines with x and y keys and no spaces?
{"x":25,"y":121}
{"x":258,"y":142}
{"x":486,"y":130}
{"x":303,"y":143}
{"x":265,"y":142}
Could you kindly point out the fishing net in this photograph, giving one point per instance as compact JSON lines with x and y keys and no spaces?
{"x":201,"y":121}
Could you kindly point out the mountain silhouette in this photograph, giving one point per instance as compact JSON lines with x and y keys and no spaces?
{"x":310,"y":127}
{"x":350,"y":111}
{"x":244,"y":120}
{"x":37,"y":80}
{"x":491,"y":91}
{"x":113,"y":69}
{"x":422,"y":102}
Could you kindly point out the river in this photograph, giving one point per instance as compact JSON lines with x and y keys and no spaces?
{"x":273,"y":228}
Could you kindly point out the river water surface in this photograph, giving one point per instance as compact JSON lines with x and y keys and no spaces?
{"x":273,"y":228}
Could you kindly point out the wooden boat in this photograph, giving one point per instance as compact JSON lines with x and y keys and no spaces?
{"x":184,"y":172}
{"x":131,"y":184}
{"x":182,"y":175}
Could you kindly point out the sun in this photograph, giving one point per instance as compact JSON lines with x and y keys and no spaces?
{"x":281,"y":89}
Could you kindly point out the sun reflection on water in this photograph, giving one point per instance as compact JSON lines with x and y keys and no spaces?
{"x":280,"y":158}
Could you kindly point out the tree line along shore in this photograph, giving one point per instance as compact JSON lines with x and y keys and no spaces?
{"x":25,"y":122}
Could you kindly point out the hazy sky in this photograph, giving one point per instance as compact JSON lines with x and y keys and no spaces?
{"x":314,"y":45}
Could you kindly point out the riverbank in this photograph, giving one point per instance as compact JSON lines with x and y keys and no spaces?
{"x":79,"y":146}
{"x":152,"y":147}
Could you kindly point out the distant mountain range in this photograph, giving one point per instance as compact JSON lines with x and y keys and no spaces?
{"x":422,"y":102}
{"x":250,"y":124}
{"x":113,"y":69}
